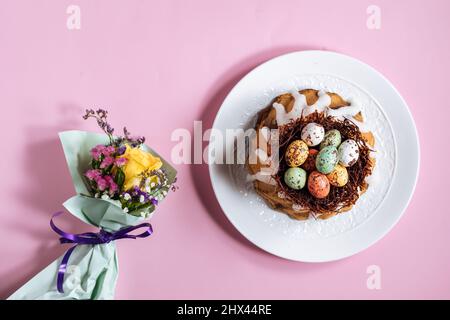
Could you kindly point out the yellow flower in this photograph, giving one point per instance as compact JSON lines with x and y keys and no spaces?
{"x":138,"y":162}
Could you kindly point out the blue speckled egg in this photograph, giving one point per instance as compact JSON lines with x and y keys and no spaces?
{"x":332,"y":138}
{"x":295,"y":178}
{"x":326,"y":160}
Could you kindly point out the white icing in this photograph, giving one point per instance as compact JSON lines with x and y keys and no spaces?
{"x":284,"y":117}
{"x":320,"y":105}
{"x":281,"y":114}
{"x":299,"y":104}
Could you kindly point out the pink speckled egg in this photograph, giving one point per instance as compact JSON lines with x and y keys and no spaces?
{"x":318,"y":185}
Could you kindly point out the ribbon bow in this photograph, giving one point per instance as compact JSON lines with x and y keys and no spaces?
{"x":92,"y":238}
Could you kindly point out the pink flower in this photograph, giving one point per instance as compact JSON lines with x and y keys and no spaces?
{"x":97,"y":151}
{"x":120,"y":161}
{"x":108,"y":150}
{"x":102,"y":184}
{"x":107,"y":162}
{"x":92,"y":174}
{"x":112,"y":185}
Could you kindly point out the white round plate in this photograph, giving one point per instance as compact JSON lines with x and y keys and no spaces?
{"x":390,"y":187}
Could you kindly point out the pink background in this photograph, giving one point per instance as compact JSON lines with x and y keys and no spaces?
{"x":160,"y":65}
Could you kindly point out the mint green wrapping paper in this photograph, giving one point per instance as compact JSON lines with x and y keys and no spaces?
{"x":91,"y":274}
{"x":92,"y":269}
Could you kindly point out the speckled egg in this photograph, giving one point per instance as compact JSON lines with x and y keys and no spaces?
{"x":348,"y":153}
{"x":310,"y":163}
{"x":313,"y":134}
{"x":332,"y":138}
{"x":326,"y":160}
{"x":296,"y":153}
{"x":339,"y":176}
{"x":295,"y":178}
{"x":318,"y":185}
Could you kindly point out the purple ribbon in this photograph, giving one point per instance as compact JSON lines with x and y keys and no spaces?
{"x":92,"y":238}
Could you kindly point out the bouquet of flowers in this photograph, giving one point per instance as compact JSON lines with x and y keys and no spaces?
{"x":119,"y":181}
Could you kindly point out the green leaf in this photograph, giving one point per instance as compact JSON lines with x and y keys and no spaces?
{"x":120,"y":177}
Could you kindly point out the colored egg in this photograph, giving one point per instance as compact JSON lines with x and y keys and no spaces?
{"x":318,"y":185}
{"x":295,"y":178}
{"x":332,"y":138}
{"x":310,"y":164}
{"x":326,"y":159}
{"x":348,"y":153}
{"x":339,"y":176}
{"x":296,"y":153}
{"x":313,"y":134}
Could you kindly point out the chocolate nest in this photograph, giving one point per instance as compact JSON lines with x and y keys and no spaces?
{"x":340,"y":198}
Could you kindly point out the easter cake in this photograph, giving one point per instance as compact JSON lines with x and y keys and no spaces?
{"x":323,"y":156}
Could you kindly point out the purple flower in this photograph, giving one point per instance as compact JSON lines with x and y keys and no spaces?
{"x":101,"y":116}
{"x":102,"y":113}
{"x":154,"y":201}
{"x":121,"y":150}
{"x":107,"y":162}
{"x":136,"y":191}
{"x":134,"y":141}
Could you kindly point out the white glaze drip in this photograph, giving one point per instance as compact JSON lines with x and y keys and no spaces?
{"x":299,"y":104}
{"x":320,"y":105}
{"x":284,"y":117}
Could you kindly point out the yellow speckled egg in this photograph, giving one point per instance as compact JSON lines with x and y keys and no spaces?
{"x":339,"y":176}
{"x":296,"y":153}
